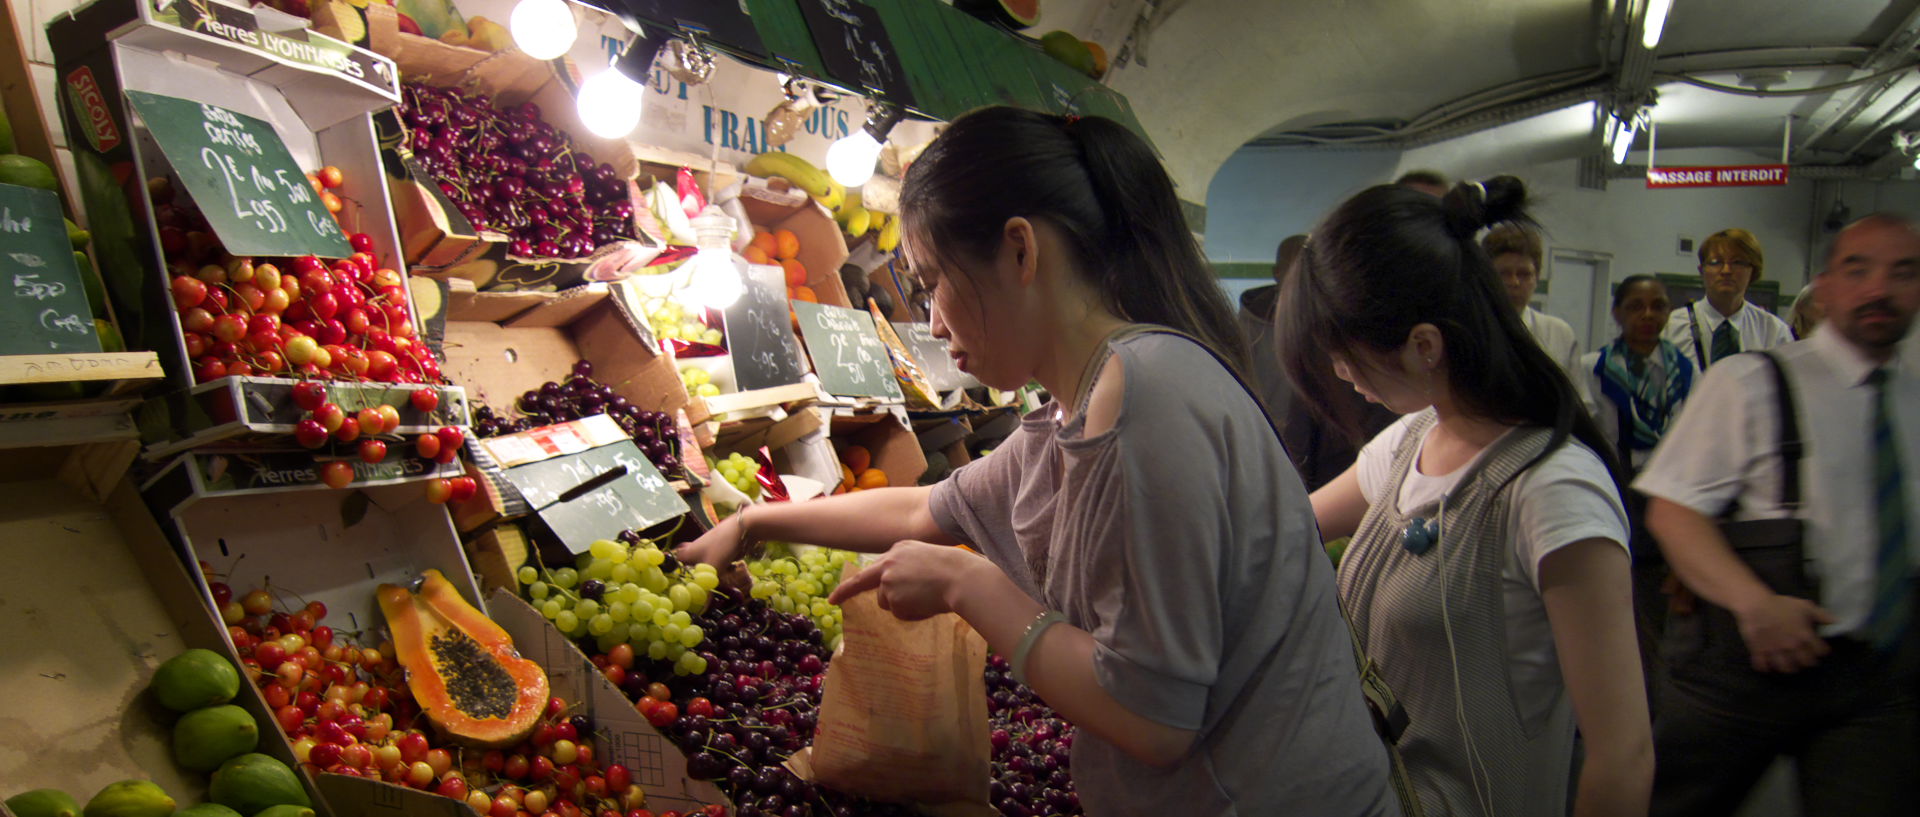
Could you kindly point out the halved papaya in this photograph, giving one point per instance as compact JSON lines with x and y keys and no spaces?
{"x":461,"y":667}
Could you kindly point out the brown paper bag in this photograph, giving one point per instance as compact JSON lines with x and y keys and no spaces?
{"x":903,"y":712}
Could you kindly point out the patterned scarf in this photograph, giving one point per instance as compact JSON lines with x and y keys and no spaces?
{"x":1650,"y":411}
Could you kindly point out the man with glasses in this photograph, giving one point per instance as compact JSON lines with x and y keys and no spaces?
{"x":1725,"y":324}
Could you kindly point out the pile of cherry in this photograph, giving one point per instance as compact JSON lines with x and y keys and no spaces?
{"x":347,"y":710}
{"x":326,"y":422}
{"x":579,"y":396}
{"x":509,"y":171}
{"x":758,"y":703}
{"x":304,"y":317}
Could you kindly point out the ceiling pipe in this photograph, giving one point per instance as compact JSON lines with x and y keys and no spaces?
{"x":1891,"y":51}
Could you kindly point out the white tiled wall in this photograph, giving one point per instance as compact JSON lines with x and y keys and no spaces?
{"x":33,"y":24}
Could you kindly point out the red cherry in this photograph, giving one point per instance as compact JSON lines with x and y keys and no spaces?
{"x":425,"y":399}
{"x":439,"y":491}
{"x":380,"y":365}
{"x":451,"y":438}
{"x":330,"y":415}
{"x":310,"y":433}
{"x":372,"y":451}
{"x":309,"y":394}
{"x":361,"y":242}
{"x":209,"y":369}
{"x":229,"y":328}
{"x":324,"y":305}
{"x":188,"y":291}
{"x":337,"y":474}
{"x":427,"y":446}
{"x":348,"y":431}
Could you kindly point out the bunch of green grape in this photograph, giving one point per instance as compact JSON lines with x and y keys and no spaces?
{"x":799,"y":583}
{"x":699,"y":382}
{"x":670,"y":320}
{"x":739,"y":471}
{"x":620,"y":594}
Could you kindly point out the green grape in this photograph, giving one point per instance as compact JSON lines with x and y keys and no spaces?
{"x":674,"y":651}
{"x":783,"y":604}
{"x":621,"y":573}
{"x":608,"y":641}
{"x":527,"y":575}
{"x":637,"y":633}
{"x":603,"y":548}
{"x":696,"y":664}
{"x":763,"y":591}
{"x":598,"y":570}
{"x":670,"y":633}
{"x":566,"y":621}
{"x":706,"y":581}
{"x":538,"y":590}
{"x":655,"y":580}
{"x":681,"y":618}
{"x":657,"y":651}
{"x":691,"y":635}
{"x":565,"y":577}
{"x":818,"y":608}
{"x":662,"y":617}
{"x":679,"y":596}
{"x":600,"y":624}
{"x":799,"y":595}
{"x":551,"y":609}
{"x":618,"y":611}
{"x":655,"y":633}
{"x":641,"y":610}
{"x":629,"y":592}
{"x":697,"y":602}
{"x":587,"y":608}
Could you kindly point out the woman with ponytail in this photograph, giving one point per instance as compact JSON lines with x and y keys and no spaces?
{"x":1488,"y":575}
{"x":1150,"y":565}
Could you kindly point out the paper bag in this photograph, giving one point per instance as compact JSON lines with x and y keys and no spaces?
{"x":903,"y":712}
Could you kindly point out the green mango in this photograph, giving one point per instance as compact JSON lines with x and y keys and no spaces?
{"x":42,"y":802}
{"x":207,"y":810}
{"x":77,"y":236}
{"x":194,"y":679}
{"x":205,"y":738}
{"x":130,"y":798}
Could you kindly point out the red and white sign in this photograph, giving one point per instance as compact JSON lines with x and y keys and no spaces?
{"x":1717,"y":176}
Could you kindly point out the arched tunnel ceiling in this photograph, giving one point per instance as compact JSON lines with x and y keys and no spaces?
{"x":1221,"y":73}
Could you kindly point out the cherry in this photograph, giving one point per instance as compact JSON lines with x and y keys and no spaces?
{"x":424,"y":399}
{"x":372,"y":451}
{"x":439,"y":491}
{"x":361,"y":242}
{"x":188,"y":291}
{"x":307,"y":394}
{"x":427,"y":445}
{"x":337,"y":474}
{"x":330,"y":416}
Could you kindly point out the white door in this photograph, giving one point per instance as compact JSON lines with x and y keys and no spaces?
{"x":1578,"y":293}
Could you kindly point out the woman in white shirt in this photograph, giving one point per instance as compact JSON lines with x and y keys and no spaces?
{"x":1723,"y":324}
{"x":1634,"y":387}
{"x":1488,"y":575}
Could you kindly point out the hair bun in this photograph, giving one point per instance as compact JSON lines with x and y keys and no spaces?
{"x":1472,"y":206}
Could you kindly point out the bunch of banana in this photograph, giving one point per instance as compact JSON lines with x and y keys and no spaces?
{"x":800,"y":173}
{"x":889,"y":238}
{"x":853,"y":218}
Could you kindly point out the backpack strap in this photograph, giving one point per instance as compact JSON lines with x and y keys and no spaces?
{"x":1792,"y":445}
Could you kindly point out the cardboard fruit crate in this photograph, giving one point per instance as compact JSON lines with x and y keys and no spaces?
{"x":823,"y":248}
{"x":259,"y":411}
{"x":887,"y":436}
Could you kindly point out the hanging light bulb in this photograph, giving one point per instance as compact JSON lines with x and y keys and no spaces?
{"x":850,"y":160}
{"x":609,"y":102}
{"x":714,"y":281}
{"x":543,"y":29}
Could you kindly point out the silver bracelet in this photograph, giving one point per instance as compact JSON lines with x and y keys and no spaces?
{"x":1040,"y":624}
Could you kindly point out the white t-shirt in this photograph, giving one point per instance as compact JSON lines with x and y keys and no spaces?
{"x":1759,"y":329}
{"x":1555,"y":337}
{"x":1566,"y":498}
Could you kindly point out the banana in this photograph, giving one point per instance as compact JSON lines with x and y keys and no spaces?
{"x":848,"y":204}
{"x":835,"y":197}
{"x":889,"y":238}
{"x":794,"y":169}
{"x":858,"y":222}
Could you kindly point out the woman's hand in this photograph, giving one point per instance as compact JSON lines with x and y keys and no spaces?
{"x":723,"y":547}
{"x":915,"y":580}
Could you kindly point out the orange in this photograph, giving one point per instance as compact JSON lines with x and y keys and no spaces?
{"x":755,"y":255}
{"x":765,"y":242}
{"x":846,"y":477}
{"x":789,"y":244}
{"x":857,"y":457}
{"x":871,"y":478}
{"x":796,"y":274}
{"x":805,"y":293}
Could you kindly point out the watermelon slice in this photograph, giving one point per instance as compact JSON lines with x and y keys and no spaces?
{"x":1014,"y":14}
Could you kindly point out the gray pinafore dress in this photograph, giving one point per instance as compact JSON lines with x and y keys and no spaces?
{"x":1393,"y":598}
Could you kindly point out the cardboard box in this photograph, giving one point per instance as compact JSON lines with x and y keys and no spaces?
{"x":85,"y":644}
{"x":823,"y":248}
{"x":308,"y":545}
{"x":237,"y":411}
{"x":621,"y":735}
{"x":499,"y":361}
{"x":888,"y":437}
{"x":316,"y":92}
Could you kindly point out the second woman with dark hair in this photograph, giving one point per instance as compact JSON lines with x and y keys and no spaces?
{"x":1488,"y":575}
{"x":1150,"y":565}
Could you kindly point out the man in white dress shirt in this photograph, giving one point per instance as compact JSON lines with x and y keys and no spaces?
{"x":1518,"y":254}
{"x":1755,"y":672}
{"x":1723,"y":324}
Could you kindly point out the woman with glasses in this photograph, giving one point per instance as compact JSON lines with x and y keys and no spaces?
{"x":1723,"y":324}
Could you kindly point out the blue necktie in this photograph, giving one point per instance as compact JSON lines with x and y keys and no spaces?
{"x":1892,"y":582}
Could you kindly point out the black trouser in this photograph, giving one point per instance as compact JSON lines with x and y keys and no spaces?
{"x":1850,"y":722}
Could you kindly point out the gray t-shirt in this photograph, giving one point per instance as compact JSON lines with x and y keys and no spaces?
{"x":1183,"y":541}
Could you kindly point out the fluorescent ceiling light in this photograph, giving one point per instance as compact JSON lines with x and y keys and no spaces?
{"x":1654,"y":21}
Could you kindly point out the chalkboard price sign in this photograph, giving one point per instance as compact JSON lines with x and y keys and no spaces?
{"x":242,"y":176}
{"x":931,"y":353}
{"x":44,"y":310}
{"x":847,"y":352}
{"x":855,"y":49}
{"x":759,"y":334}
{"x":639,"y":499}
